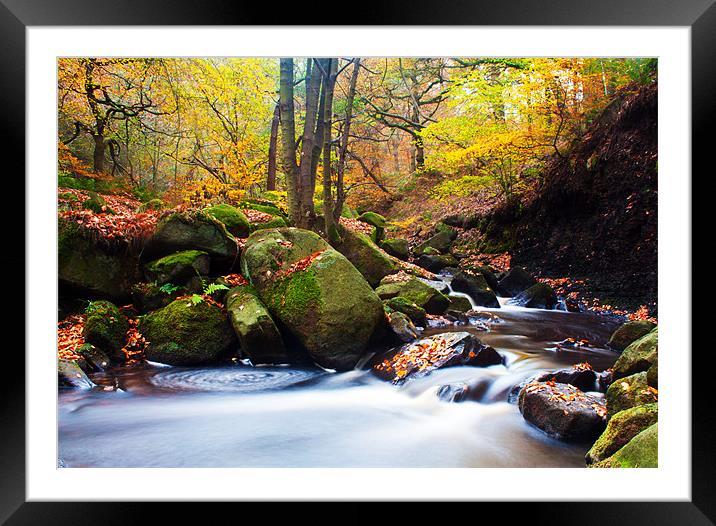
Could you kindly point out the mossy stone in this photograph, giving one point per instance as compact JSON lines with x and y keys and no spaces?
{"x":178,"y":267}
{"x":324,"y":301}
{"x":642,"y":451}
{"x":373,"y":219}
{"x":364,"y":254}
{"x":628,"y":333}
{"x":396,"y":247}
{"x":629,"y":392}
{"x":407,"y":307}
{"x":259,"y":336}
{"x":638,"y":356}
{"x":150,"y":296}
{"x":475,"y":285}
{"x":274,"y":222}
{"x":234,"y":220}
{"x":622,"y":427}
{"x":442,"y":241}
{"x":152,"y":204}
{"x":415,"y":291}
{"x":183,"y":333}
{"x":106,"y":327}
{"x":459,"y":304}
{"x":538,"y":296}
{"x":191,"y":231}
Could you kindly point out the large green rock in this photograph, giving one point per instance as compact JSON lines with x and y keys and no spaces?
{"x":371,"y":261}
{"x":178,"y":267}
{"x":92,"y":268}
{"x":407,"y":307}
{"x":396,"y":247}
{"x":192,"y":231}
{"x":106,"y":327}
{"x":459,"y":304}
{"x":642,"y":451}
{"x":628,"y":333}
{"x":183,"y":333}
{"x":435,"y":263}
{"x":622,"y":427}
{"x":475,"y":286}
{"x":415,"y":291}
{"x":274,"y":222}
{"x":150,"y":296}
{"x":267,"y":207}
{"x":260,"y":339}
{"x":234,"y":220}
{"x":373,"y":218}
{"x":629,"y":392}
{"x":639,"y":356}
{"x":315,"y":292}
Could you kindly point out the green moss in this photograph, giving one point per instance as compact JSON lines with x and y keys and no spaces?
{"x":274,"y":222}
{"x":106,"y":327}
{"x":364,"y":254}
{"x":622,"y":427}
{"x":266,"y":208}
{"x":234,"y":220}
{"x":415,"y":291}
{"x":96,"y":204}
{"x":628,"y":392}
{"x":629,"y":332}
{"x":186,"y":334}
{"x":396,"y":247}
{"x":373,"y":219}
{"x":642,"y":451}
{"x":407,"y":307}
{"x":179,"y":266}
{"x":153,"y":204}
{"x":295,"y":295}
{"x":638,"y":356}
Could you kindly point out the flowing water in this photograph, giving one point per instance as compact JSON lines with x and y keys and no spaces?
{"x":243,"y":416}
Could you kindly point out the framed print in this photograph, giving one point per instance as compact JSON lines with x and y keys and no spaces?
{"x":420,"y":257}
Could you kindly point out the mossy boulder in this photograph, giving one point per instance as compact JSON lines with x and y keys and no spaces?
{"x":267,"y":207}
{"x":96,"y":204}
{"x":234,"y":220}
{"x":459,"y":304}
{"x":642,"y":451}
{"x":628,"y":333}
{"x":441,"y":227}
{"x":94,"y":357}
{"x":435,"y":263}
{"x":71,"y":376}
{"x":259,"y":336}
{"x":639,"y":356}
{"x":442,"y":241}
{"x":475,"y":285}
{"x":430,"y":251}
{"x":407,"y":307}
{"x":274,"y":222}
{"x":515,"y":281}
{"x":373,"y":219}
{"x":192,"y":231}
{"x":538,"y":296}
{"x":150,"y":296}
{"x":417,"y":292}
{"x":622,"y":427}
{"x":402,"y":327}
{"x":364,"y":254}
{"x":91,"y":268}
{"x":629,"y":392}
{"x":106,"y":327}
{"x":652,"y":375}
{"x":183,"y":333}
{"x":178,"y":267}
{"x":315,"y":293}
{"x":396,"y":247}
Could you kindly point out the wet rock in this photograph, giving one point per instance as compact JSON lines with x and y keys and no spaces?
{"x":459,"y":304}
{"x":562,"y":410}
{"x":475,"y":285}
{"x":639,"y":356}
{"x":436,"y":263}
{"x":515,"y":281}
{"x":402,"y":327}
{"x":177,"y":267}
{"x":628,"y":392}
{"x":106,"y":327}
{"x":642,"y":451}
{"x":94,"y":357}
{"x":364,"y":254}
{"x":487,"y":273}
{"x":652,"y":375}
{"x":434,"y":352}
{"x":538,"y":296}
{"x":407,"y":307}
{"x":315,"y":293}
{"x":396,"y":247}
{"x":416,"y":291}
{"x":475,"y":391}
{"x":259,"y":336}
{"x":628,"y":333}
{"x":622,"y":427}
{"x":183,"y":333}
{"x":580,"y":376}
{"x":233,"y":219}
{"x":442,"y":241}
{"x":453,"y":393}
{"x":70,"y":375}
{"x":604,"y":380}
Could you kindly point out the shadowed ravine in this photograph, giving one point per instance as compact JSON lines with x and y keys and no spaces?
{"x":243,"y":416}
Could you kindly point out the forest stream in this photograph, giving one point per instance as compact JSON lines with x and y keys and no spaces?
{"x":243,"y":416}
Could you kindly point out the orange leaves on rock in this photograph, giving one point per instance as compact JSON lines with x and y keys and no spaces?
{"x":136,"y":344}
{"x":235,"y":280}
{"x":642,"y":313}
{"x":69,"y":337}
{"x":301,"y":264}
{"x":255,"y":216}
{"x":418,"y":357}
{"x":584,"y":366}
{"x":355,"y":225}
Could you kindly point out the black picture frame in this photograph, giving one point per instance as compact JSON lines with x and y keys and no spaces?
{"x":16,"y":15}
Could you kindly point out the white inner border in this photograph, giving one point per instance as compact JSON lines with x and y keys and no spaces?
{"x":671,"y":481}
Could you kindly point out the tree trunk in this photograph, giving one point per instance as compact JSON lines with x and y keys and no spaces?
{"x":340,"y":188}
{"x":99,"y":150}
{"x":329,"y":82}
{"x":271,"y":176}
{"x":288,"y":139}
{"x":419,"y":154}
{"x":305,"y":188}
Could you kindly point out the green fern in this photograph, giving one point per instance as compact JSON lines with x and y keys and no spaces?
{"x":168,"y":288}
{"x":195,"y":299}
{"x":214,"y":287}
